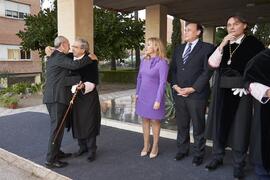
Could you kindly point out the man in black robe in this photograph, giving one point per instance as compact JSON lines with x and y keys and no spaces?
{"x":86,"y":116}
{"x":230,"y":111}
{"x":257,"y":75}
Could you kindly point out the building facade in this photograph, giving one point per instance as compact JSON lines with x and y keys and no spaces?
{"x":17,"y":65}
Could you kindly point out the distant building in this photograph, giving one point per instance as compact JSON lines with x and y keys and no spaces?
{"x":17,"y":65}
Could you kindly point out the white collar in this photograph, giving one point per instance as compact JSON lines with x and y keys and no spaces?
{"x":77,"y":58}
{"x":193,"y":42}
{"x":239,"y":40}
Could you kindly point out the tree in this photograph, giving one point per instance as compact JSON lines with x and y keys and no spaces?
{"x":40,"y":31}
{"x":221,"y":32}
{"x":176,"y":34}
{"x":114,"y":33}
{"x":262,"y":32}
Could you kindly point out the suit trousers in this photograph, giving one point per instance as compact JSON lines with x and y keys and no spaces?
{"x":186,"y":110}
{"x":88,"y":143}
{"x":56,"y":112}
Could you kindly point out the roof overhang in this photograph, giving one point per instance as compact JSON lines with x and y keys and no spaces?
{"x":206,"y":12}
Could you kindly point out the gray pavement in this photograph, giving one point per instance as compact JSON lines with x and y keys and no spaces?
{"x":24,"y":132}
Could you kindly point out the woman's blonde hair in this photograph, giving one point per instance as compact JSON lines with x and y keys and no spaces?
{"x":158,"y":46}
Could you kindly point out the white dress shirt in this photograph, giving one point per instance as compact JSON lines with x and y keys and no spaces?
{"x":258,"y":91}
{"x":193,"y":44}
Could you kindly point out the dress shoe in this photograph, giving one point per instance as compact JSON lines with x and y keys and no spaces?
{"x":62,"y":155}
{"x":80,"y":152}
{"x":144,"y":153}
{"x":56,"y":164}
{"x":91,"y":157}
{"x":214,"y":164}
{"x":153,"y":154}
{"x":197,"y":161}
{"x":238,"y":173}
{"x":180,"y":156}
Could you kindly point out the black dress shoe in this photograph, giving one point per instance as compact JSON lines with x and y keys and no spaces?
{"x":80,"y":152}
{"x":56,"y":164}
{"x":197,"y":161}
{"x":91,"y":157}
{"x":62,"y":155}
{"x":214,"y":164}
{"x":180,"y":156}
{"x":238,"y":173}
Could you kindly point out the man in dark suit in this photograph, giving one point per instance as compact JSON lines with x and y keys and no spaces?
{"x":57,"y":95}
{"x":86,"y":116}
{"x":190,"y":80}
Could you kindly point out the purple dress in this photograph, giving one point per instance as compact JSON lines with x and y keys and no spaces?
{"x":151,"y":84}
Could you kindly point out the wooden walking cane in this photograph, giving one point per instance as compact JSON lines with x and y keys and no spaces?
{"x":66,"y":113}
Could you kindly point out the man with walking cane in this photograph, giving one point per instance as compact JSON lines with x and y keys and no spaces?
{"x":57,"y":95}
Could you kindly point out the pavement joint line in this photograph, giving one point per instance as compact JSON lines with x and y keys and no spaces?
{"x":29,"y":166}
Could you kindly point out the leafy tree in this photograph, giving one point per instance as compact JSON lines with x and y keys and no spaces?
{"x":114,"y":33}
{"x":221,"y":32}
{"x":176,"y":35}
{"x":40,"y":31}
{"x":262,"y":32}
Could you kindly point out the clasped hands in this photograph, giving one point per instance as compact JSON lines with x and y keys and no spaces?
{"x":185,"y":92}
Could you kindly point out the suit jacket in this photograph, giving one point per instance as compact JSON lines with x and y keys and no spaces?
{"x":195,"y":72}
{"x":57,"y":85}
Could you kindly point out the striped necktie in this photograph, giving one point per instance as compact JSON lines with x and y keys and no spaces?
{"x":187,"y":53}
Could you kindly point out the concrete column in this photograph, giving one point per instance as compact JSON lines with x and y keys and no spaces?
{"x":209,"y":34}
{"x":75,"y":19}
{"x":156,"y":22}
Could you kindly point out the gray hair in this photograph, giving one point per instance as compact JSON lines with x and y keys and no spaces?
{"x":59,"y":40}
{"x":84,"y":44}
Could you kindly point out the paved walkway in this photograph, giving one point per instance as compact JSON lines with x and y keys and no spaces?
{"x":117,"y":154}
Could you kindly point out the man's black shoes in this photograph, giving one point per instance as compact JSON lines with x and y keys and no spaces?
{"x":91,"y":157}
{"x":180,"y":156}
{"x":80,"y":152}
{"x":62,"y":155}
{"x":56,"y":164}
{"x":197,"y":161}
{"x":214,"y":164}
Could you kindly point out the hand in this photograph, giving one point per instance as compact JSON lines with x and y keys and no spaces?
{"x":81,"y":86}
{"x":185,"y":92}
{"x":239,"y":91}
{"x":93,"y":57}
{"x":268,"y":93}
{"x":156,"y":105}
{"x":49,"y":50}
{"x":225,"y":41}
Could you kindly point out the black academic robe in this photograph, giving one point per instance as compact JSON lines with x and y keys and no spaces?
{"x":258,"y":70}
{"x":229,"y":115}
{"x":86,"y":117}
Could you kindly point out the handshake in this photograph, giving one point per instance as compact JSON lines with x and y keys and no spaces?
{"x":239,"y":91}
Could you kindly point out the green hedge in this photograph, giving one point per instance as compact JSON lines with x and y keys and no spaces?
{"x":118,"y":76}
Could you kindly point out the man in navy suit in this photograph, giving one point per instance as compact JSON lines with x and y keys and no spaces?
{"x":190,"y":80}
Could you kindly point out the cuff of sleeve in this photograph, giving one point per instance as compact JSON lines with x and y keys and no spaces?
{"x":88,"y":87}
{"x":258,"y":91}
{"x":73,"y":88}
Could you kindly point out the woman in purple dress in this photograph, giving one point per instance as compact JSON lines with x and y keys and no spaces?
{"x":151,"y":83}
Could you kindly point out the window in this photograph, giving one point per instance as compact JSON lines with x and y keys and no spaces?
{"x":25,"y":54}
{"x":13,"y":54}
{"x":16,"y":10}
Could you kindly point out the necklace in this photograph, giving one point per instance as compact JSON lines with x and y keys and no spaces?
{"x":232,"y":52}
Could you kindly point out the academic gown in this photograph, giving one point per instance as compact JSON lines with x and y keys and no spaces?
{"x":86,"y":117}
{"x":229,"y":115}
{"x":258,"y":70}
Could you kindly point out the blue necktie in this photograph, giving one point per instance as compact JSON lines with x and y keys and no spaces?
{"x":187,"y":53}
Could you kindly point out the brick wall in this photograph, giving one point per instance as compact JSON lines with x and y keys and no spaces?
{"x":8,"y":29}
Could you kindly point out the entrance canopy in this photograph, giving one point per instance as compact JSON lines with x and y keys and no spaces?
{"x":207,"y":12}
